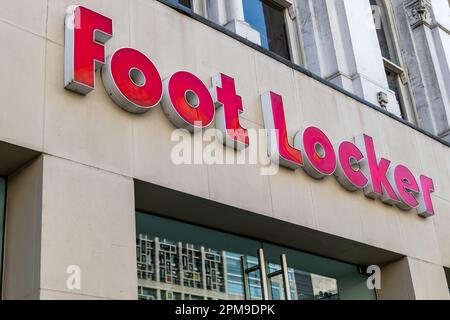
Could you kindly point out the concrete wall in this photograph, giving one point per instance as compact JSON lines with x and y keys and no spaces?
{"x":93,"y":150}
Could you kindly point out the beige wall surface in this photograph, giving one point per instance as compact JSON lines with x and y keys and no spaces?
{"x":95,"y":149}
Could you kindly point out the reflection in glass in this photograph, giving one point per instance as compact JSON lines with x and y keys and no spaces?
{"x":179,"y":261}
{"x":268,"y":19}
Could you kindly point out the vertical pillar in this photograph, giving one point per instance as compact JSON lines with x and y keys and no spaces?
{"x":22,"y":255}
{"x":341,"y":45}
{"x":412,"y":279}
{"x":64,"y":216}
{"x":230,"y":14}
{"x":426,"y":45}
{"x":235,"y":10}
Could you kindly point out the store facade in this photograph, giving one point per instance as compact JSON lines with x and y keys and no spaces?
{"x":99,"y":205}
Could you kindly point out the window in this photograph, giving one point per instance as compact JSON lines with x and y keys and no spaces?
{"x":2,"y":224}
{"x":180,"y":261}
{"x":391,"y":58}
{"x":184,"y":3}
{"x":268,"y":19}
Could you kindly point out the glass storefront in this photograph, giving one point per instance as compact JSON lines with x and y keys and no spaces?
{"x":2,"y":223}
{"x":180,"y":261}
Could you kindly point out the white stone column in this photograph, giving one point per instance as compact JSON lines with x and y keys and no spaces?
{"x":235,"y":10}
{"x":425,"y":40}
{"x":230,"y":14}
{"x":341,"y":45}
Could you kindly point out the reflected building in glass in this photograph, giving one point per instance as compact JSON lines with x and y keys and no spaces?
{"x":170,"y":270}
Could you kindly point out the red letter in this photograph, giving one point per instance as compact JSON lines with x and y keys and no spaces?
{"x":228,"y":107}
{"x":86,"y":32}
{"x":132,"y":81}
{"x":279,"y":151}
{"x":349,"y":177}
{"x":187,"y":101}
{"x":320,"y":160}
{"x":378,"y":186}
{"x":425,"y":208}
{"x":406,"y":186}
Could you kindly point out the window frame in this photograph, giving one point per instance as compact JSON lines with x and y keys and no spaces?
{"x":178,"y":4}
{"x":281,"y":12}
{"x":200,"y":7}
{"x":398,"y":67}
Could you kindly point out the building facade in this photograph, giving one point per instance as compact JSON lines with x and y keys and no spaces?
{"x":102,"y":196}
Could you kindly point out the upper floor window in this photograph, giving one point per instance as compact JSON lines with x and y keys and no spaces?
{"x":268,"y":19}
{"x":385,"y":36}
{"x":268,"y":23}
{"x":391,"y":58}
{"x":184,"y":3}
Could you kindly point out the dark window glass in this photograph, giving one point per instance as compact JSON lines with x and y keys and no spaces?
{"x":184,"y":3}
{"x":383,"y":32}
{"x":268,"y":18}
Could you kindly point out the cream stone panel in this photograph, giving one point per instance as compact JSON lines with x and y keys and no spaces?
{"x":153,"y":156}
{"x":381,"y":225}
{"x":401,"y":143}
{"x":88,"y":220}
{"x":349,"y":117}
{"x":21,"y":268}
{"x":276,"y":77}
{"x":337,"y":211}
{"x":291,"y":198}
{"x":371,"y":123}
{"x":22,"y":65}
{"x":242,"y":185}
{"x":429,"y":280}
{"x":443,"y":158}
{"x":435,"y":159}
{"x":396,"y":281}
{"x":442,"y":226}
{"x":118,"y":12}
{"x":419,"y":236}
{"x":317,"y":107}
{"x":29,"y":15}
{"x":89,"y":129}
{"x":413,"y":279}
{"x":234,"y":59}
